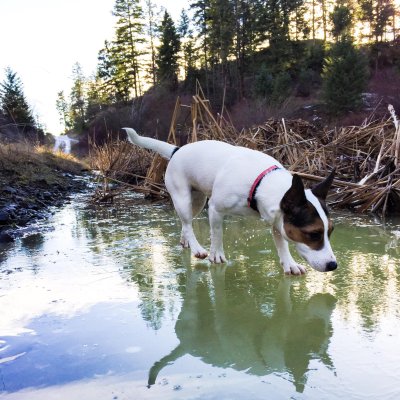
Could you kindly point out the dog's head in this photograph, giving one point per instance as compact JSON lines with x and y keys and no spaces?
{"x":306,"y":222}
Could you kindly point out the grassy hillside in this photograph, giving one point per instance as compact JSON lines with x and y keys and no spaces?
{"x":32,"y":178}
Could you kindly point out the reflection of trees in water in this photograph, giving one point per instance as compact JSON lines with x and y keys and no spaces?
{"x":368,"y":282}
{"x":130,"y":233}
{"x":144,"y":240}
{"x":225,"y":327}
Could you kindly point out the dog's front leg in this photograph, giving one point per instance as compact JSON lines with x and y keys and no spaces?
{"x":290,"y":266}
{"x":216,"y":224}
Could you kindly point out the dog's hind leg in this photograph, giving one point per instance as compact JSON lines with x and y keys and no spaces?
{"x":186,"y":208}
{"x":198,"y":202}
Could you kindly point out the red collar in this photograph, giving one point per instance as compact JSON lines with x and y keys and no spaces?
{"x":251,"y":201}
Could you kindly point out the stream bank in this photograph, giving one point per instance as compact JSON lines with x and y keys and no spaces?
{"x":32,"y":180}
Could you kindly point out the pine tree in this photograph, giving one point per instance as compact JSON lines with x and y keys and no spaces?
{"x":184,"y":28}
{"x":110,"y":71}
{"x":344,"y":77}
{"x":275,"y":25}
{"x":12,"y":100}
{"x":168,"y":53}
{"x":221,"y":31}
{"x":378,"y":15}
{"x":126,"y":47}
{"x":345,"y":68}
{"x":96,"y":97}
{"x":63,"y":110}
{"x":188,"y":48}
{"x":78,"y":100}
{"x":342,"y":21}
{"x":201,"y":10}
{"x":151,"y":27}
{"x":246,"y":37}
{"x":383,"y":13}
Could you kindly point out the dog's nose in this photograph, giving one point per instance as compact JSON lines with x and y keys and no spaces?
{"x":331,"y":266}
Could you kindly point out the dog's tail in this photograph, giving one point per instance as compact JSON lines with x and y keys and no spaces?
{"x":165,"y":149}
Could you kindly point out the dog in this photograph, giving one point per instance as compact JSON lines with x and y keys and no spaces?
{"x":240,"y":181}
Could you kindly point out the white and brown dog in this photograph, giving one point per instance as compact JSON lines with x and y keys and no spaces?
{"x":240,"y":181}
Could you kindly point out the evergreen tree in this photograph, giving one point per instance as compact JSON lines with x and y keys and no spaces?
{"x":78,"y":100}
{"x":96,"y":97}
{"x":299,"y":21}
{"x":126,"y":51}
{"x":341,"y":21}
{"x":63,"y":110}
{"x":151,"y":27}
{"x":12,"y":100}
{"x":246,"y":37}
{"x":184,"y":28}
{"x":168,"y":53}
{"x":378,"y":15}
{"x":188,"y":48}
{"x":344,"y":77}
{"x":201,"y":10}
{"x":366,"y":14}
{"x":383,"y":13}
{"x":275,"y":25}
{"x":222,"y":30}
{"x":110,"y":71}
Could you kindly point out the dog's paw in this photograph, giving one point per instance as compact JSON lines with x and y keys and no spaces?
{"x":198,"y":251}
{"x":185,"y":243}
{"x":202,"y":254}
{"x":217,"y":257}
{"x":294,"y":269}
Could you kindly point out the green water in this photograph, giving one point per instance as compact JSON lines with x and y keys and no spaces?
{"x":100,"y":303}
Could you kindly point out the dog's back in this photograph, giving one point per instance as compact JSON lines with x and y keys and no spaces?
{"x":199,"y":164}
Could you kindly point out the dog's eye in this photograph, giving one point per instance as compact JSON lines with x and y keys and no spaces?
{"x":314,"y":236}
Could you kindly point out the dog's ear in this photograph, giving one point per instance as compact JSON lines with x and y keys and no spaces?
{"x":295,"y":197}
{"x":321,"y":190}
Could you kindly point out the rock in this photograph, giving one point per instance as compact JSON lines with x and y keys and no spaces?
{"x":5,"y":237}
{"x":9,"y":189}
{"x":5,"y":217}
{"x":47,"y":196}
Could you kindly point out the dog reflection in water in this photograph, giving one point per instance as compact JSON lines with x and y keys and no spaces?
{"x":228,"y":331}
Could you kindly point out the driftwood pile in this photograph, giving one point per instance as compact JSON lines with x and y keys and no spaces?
{"x":366,"y":157}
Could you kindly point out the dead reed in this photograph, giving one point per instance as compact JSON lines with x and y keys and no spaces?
{"x":366,"y":157}
{"x":117,"y":161}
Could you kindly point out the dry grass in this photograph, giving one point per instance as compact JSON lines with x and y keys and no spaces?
{"x":117,"y":161}
{"x":24,"y":163}
{"x":366,"y":157}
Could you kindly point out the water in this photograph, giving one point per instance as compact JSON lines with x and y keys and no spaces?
{"x":100,"y":303}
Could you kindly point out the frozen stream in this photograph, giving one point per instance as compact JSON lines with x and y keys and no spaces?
{"x":98,"y":303}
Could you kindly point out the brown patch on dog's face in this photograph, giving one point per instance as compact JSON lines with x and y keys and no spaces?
{"x":301,"y":220}
{"x":305,"y":226}
{"x":311,"y":235}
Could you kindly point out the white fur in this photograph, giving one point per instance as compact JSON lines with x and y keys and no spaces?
{"x":224,"y":174}
{"x":163,"y":148}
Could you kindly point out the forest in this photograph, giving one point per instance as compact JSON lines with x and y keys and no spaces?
{"x":253,"y":58}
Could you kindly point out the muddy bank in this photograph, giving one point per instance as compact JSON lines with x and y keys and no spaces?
{"x":32,"y":181}
{"x":20,"y":206}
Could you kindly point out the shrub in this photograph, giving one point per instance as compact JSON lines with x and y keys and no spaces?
{"x":305,"y":83}
{"x":263,"y":84}
{"x":281,"y":88}
{"x":344,"y":77}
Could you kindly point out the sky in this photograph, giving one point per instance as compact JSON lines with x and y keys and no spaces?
{"x":41,"y":40}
